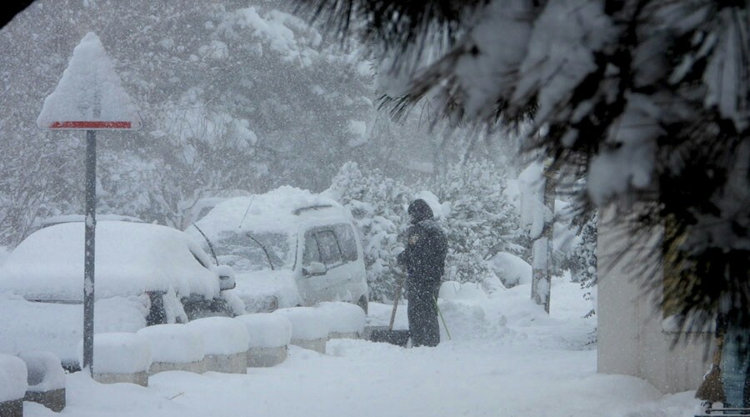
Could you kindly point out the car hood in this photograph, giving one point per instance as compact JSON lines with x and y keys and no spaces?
{"x":257,"y":288}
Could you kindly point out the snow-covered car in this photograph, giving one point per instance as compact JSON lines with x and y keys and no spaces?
{"x":144,"y":274}
{"x":288,"y":247}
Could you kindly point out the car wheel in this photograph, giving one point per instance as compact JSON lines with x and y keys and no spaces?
{"x":363,"y":303}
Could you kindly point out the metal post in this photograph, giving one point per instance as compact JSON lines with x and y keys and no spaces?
{"x":88,"y":272}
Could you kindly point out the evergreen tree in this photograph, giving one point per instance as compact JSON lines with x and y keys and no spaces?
{"x":646,"y":100}
{"x":378,"y":204}
{"x":482,"y":220}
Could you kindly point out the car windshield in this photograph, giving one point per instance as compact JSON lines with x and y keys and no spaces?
{"x":253,"y":251}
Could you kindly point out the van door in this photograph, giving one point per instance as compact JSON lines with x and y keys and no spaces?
{"x":336,"y":248}
{"x":321,"y":247}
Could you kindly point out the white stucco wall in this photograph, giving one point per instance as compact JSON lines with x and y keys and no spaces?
{"x":631,"y":337}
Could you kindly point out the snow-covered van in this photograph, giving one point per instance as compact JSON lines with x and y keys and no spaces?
{"x":288,"y":247}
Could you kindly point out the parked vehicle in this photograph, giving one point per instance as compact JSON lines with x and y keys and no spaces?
{"x":144,"y":274}
{"x":288,"y":247}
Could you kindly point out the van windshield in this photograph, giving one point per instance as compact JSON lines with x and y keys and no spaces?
{"x":245,"y":252}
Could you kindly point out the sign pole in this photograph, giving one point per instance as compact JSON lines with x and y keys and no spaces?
{"x":88,"y":273}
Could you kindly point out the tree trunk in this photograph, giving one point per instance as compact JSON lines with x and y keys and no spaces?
{"x":541,"y":281}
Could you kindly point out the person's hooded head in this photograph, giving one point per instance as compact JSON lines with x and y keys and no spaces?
{"x":419,"y":210}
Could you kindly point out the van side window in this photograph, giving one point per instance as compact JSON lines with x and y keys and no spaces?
{"x":330,"y":253}
{"x":347,"y":242}
{"x":310,"y":253}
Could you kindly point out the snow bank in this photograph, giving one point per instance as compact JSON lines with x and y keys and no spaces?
{"x":13,"y":377}
{"x":45,"y":373}
{"x":221,"y":335}
{"x":120,"y":353}
{"x":342,"y":318}
{"x":510,"y":269}
{"x":453,"y":290}
{"x":57,"y":328}
{"x":308,"y":323}
{"x":174,"y":343}
{"x":266,"y":329}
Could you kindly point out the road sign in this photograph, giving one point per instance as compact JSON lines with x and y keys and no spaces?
{"x":89,"y":97}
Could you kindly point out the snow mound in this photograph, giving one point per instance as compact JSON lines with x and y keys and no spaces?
{"x":45,"y":373}
{"x":221,"y":335}
{"x":511,"y":269}
{"x":174,"y":343}
{"x":89,"y":90}
{"x":267,"y":329}
{"x":343,"y":317}
{"x":13,"y":377}
{"x":120,"y":353}
{"x":274,"y":211}
{"x":58,"y":328}
{"x":131,"y":258}
{"x":454,"y":290}
{"x":308,"y":323}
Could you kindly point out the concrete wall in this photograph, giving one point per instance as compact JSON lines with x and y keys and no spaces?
{"x":632,"y":339}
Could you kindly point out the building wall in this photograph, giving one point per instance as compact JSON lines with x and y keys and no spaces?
{"x":632,"y":337}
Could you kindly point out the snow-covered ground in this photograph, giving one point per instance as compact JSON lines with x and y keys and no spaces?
{"x":505,"y":358}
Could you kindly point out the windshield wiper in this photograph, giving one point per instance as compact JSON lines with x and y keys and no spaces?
{"x":262,"y":247}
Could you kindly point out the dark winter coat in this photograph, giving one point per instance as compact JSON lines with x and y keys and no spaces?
{"x":424,"y":256}
{"x":424,"y":260}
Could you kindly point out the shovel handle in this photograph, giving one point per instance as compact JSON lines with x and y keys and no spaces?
{"x":399,"y":287}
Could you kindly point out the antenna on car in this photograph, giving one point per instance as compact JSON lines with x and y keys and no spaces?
{"x":247,"y":210}
{"x":210,"y":246}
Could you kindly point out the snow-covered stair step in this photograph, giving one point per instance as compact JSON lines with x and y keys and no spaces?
{"x":174,"y":347}
{"x":309,"y":327}
{"x":46,"y":379}
{"x":13,"y":384}
{"x":344,"y":320}
{"x":225,"y":342}
{"x":121,"y":357}
{"x":269,"y":338}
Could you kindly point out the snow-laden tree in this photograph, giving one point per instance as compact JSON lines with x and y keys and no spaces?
{"x":482,"y":220}
{"x":378,"y":204}
{"x":647,"y":100}
{"x":234,"y":95}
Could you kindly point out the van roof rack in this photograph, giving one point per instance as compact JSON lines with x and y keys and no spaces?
{"x":298,"y":211}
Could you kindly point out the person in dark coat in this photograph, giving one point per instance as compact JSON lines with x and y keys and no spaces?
{"x":424,"y":260}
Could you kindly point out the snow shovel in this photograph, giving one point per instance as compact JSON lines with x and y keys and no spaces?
{"x":386,"y":333}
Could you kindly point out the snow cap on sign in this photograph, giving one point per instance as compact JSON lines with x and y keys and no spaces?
{"x":89,"y":94}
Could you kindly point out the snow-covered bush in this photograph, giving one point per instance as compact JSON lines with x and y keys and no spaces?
{"x":510,"y":269}
{"x":378,"y":204}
